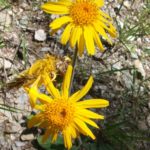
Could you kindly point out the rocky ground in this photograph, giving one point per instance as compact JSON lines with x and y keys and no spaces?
{"x":121,"y":73}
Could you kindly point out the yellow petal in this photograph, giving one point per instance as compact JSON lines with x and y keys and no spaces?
{"x":50,"y":86}
{"x":75,"y":35}
{"x":88,"y":36}
{"x":98,"y":41}
{"x":101,"y":31}
{"x":54,"y":136}
{"x":84,"y":127}
{"x":99,"y":3}
{"x":104,"y":15}
{"x":88,"y":114}
{"x":33,"y":92}
{"x":93,"y":103}
{"x":55,"y":8}
{"x":66,"y":34}
{"x":67,"y":139}
{"x":78,"y":95}
{"x":66,"y":82}
{"x":35,"y":120}
{"x":81,"y":44}
{"x":44,"y":98}
{"x":39,"y":107}
{"x":59,"y":22}
{"x":88,"y":121}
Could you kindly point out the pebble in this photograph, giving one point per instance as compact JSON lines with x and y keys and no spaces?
{"x":27,"y":137}
{"x":140,"y":68}
{"x":40,"y":35}
{"x":5,"y":20}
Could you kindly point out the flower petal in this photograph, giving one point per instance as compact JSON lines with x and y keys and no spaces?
{"x":59,"y":22}
{"x":88,"y":36}
{"x":98,"y":41}
{"x":66,"y":82}
{"x":35,"y":120}
{"x":50,"y":86}
{"x":101,"y":31}
{"x":66,"y":34}
{"x":75,"y":35}
{"x":81,"y":44}
{"x":88,"y":114}
{"x":78,"y":95}
{"x":93,"y":103}
{"x":88,"y":121}
{"x":67,"y":139}
{"x":84,"y":127}
{"x":33,"y":92}
{"x":55,"y":8}
{"x":99,"y":3}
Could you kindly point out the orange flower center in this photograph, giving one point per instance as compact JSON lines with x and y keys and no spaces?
{"x":83,"y":13}
{"x":59,"y":114}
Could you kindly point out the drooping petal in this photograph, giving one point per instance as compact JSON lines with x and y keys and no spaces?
{"x":89,"y":42}
{"x":84,"y":127}
{"x":66,"y":82}
{"x":33,"y":92}
{"x":67,"y":139}
{"x":98,"y":41}
{"x":59,"y":22}
{"x":81,"y":44}
{"x":55,"y":8}
{"x":93,"y":103}
{"x":35,"y":120}
{"x":78,"y":95}
{"x":75,"y":35}
{"x":66,"y":34}
{"x":88,"y":114}
{"x":54,"y":136}
{"x":88,"y":121}
{"x":101,"y":31}
{"x":44,"y":98}
{"x":50,"y":86}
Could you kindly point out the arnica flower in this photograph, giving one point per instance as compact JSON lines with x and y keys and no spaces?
{"x":84,"y":23}
{"x":62,"y":113}
{"x":39,"y":67}
{"x":50,"y":64}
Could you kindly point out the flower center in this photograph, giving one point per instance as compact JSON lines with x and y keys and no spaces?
{"x":59,"y":114}
{"x":83,"y":13}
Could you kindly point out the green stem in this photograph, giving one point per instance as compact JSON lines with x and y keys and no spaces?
{"x":74,"y":59}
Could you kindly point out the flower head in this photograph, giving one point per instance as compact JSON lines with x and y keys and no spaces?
{"x":64,"y":113}
{"x":84,"y":23}
{"x":49,"y":64}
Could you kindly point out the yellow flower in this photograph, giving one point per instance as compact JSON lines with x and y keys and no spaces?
{"x":63,"y":113}
{"x":84,"y":21}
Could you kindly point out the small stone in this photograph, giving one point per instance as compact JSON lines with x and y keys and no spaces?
{"x":27,"y":137}
{"x":19,"y":143}
{"x":40,"y":35}
{"x":5,"y":20}
{"x":5,"y":63}
{"x":139,"y":66}
{"x":127,"y":4}
{"x":12,"y":127}
{"x":45,"y":49}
